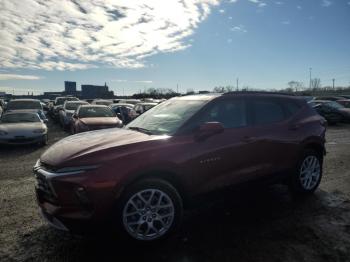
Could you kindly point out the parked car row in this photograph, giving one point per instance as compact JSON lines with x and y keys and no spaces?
{"x":86,"y":115}
{"x":334,"y":109}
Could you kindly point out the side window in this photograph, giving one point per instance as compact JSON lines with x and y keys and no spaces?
{"x":230,"y":113}
{"x":267,"y":112}
{"x":291,"y":107}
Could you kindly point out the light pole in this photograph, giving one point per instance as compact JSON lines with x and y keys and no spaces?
{"x":310,"y":69}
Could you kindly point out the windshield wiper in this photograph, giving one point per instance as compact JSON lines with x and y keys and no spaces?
{"x":140,"y":129}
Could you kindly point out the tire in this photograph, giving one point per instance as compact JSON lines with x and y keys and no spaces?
{"x":45,"y":140}
{"x":72,"y":130}
{"x":159,"y":211}
{"x":307,"y":174}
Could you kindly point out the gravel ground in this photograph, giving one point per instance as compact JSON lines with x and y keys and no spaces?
{"x":268,"y":225}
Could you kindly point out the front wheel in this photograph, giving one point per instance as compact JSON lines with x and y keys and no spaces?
{"x":308,"y":173}
{"x":149,"y":210}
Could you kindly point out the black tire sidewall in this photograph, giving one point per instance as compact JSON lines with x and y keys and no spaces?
{"x":138,"y":186}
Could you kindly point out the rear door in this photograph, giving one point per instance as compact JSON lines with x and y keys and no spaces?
{"x":274,"y":132}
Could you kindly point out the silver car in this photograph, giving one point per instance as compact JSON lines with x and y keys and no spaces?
{"x":22,"y":127}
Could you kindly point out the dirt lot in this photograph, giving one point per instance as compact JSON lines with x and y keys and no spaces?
{"x":267,"y":225}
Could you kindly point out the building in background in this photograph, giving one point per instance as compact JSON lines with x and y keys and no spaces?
{"x":70,"y":88}
{"x":95,"y":91}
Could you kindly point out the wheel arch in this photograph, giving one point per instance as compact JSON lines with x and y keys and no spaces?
{"x":313,"y":145}
{"x":165,"y":175}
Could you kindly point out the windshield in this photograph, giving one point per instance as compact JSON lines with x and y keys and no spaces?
{"x":15,"y":105}
{"x":73,"y":106}
{"x":335,"y":105}
{"x":60,"y":101}
{"x":167,"y":117}
{"x":105,"y":103}
{"x":86,"y":112}
{"x":20,"y":118}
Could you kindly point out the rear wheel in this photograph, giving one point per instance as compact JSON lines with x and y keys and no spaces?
{"x":149,"y":210}
{"x":308,"y":173}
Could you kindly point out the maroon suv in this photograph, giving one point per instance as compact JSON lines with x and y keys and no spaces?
{"x":94,"y":117}
{"x":142,"y":176}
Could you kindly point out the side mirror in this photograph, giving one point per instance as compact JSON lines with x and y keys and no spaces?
{"x":46,"y":120}
{"x":209,"y":129}
{"x":75,"y":116}
{"x":119,"y":115}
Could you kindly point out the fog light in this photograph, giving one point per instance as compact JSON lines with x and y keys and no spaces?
{"x":82,"y":196}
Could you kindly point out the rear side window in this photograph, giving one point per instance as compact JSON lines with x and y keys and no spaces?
{"x":267,"y":111}
{"x":291,"y":107}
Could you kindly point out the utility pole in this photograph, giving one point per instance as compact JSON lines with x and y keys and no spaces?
{"x":177,"y":88}
{"x":237,"y":84}
{"x":310,"y":69}
{"x":333,"y":82}
{"x":123,"y":90}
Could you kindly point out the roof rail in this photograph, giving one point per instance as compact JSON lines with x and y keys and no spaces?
{"x":259,"y":92}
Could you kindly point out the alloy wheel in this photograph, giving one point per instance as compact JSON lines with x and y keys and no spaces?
{"x":148,"y":214}
{"x":310,"y":172}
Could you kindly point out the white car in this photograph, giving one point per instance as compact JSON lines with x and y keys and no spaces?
{"x":22,"y":127}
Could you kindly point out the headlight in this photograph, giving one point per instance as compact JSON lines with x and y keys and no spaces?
{"x":3,"y":133}
{"x":40,"y":131}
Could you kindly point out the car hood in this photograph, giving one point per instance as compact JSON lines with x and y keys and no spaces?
{"x":345,"y":111}
{"x":93,"y":121}
{"x":72,"y":148}
{"x":20,"y":128}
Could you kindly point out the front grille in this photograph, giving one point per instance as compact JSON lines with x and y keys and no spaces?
{"x":100,"y":127}
{"x":21,"y":140}
{"x":47,"y":167}
{"x":43,"y":188}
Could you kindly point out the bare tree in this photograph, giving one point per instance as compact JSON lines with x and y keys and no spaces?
{"x":315,"y":83}
{"x":223,"y":89}
{"x":295,"y":85}
{"x":190,"y":91}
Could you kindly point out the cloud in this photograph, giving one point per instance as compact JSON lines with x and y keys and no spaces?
{"x":72,"y":34}
{"x":119,"y":80}
{"x":239,"y":29}
{"x":258,"y":3}
{"x":18,"y":77}
{"x":285,"y":22}
{"x":144,"y":81}
{"x":299,"y":7}
{"x":137,"y":81}
{"x":279,"y":3}
{"x":221,"y":11}
{"x":326,"y":3}
{"x":232,"y":1}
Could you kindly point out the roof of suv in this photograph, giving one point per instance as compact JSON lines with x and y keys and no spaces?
{"x":210,"y":96}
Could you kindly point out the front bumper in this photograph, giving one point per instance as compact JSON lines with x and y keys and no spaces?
{"x":52,"y":221}
{"x":60,"y":205}
{"x":22,"y":140}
